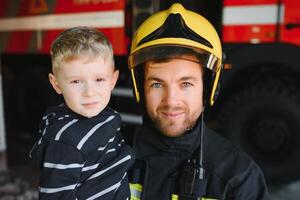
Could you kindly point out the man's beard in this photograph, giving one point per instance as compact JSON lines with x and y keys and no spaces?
{"x":173,"y":128}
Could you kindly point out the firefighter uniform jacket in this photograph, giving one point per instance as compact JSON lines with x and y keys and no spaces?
{"x":229,"y":173}
{"x":82,"y":158}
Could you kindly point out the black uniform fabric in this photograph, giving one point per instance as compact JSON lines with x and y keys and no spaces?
{"x":82,"y":158}
{"x":229,"y":173}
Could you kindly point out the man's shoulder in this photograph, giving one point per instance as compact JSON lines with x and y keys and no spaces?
{"x":217,"y":145}
{"x":224,"y":159}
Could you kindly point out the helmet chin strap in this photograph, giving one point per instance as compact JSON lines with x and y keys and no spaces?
{"x":200,"y":162}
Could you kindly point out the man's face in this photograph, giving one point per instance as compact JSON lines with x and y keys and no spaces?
{"x":173,"y":95}
{"x":86,"y":84}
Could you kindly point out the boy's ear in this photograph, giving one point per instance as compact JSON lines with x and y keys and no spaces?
{"x":114,"y":79}
{"x":54,"y":83}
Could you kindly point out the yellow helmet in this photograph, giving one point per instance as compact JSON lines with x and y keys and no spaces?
{"x":170,"y":33}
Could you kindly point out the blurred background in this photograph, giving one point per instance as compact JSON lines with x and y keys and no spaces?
{"x":258,"y":106}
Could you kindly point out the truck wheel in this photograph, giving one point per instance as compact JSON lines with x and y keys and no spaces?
{"x":264,"y":121}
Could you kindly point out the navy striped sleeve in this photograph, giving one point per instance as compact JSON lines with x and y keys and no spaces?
{"x":62,"y":166}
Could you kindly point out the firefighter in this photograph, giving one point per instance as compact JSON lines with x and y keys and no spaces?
{"x":175,"y":63}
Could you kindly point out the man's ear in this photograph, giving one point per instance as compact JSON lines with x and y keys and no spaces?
{"x":114,"y":79}
{"x":54,"y":83}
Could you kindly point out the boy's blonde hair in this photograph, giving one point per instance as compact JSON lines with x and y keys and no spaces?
{"x":79,"y":41}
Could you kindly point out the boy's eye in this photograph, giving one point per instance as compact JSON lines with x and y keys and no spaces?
{"x":100,"y":79}
{"x":75,"y":81}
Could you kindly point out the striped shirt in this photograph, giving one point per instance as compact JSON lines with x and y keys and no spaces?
{"x":82,"y":158}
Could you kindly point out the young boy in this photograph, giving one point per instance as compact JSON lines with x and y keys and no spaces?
{"x":81,"y":152}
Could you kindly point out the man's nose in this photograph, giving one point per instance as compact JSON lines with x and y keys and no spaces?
{"x":171,"y":95}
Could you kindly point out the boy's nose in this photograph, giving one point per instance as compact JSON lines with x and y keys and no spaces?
{"x":89,"y":90}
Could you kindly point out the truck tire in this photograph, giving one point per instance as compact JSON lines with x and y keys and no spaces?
{"x":264,"y":121}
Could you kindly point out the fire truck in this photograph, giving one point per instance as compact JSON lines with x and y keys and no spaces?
{"x":258,"y":107}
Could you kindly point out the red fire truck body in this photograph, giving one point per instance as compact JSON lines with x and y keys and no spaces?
{"x":259,"y":101}
{"x":261,"y":21}
{"x":37,"y":23}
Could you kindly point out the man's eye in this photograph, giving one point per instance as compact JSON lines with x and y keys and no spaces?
{"x":156,"y":85}
{"x":187,"y":84}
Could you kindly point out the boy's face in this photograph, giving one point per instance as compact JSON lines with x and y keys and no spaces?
{"x":85,"y":83}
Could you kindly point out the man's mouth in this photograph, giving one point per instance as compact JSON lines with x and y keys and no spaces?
{"x":172,"y":115}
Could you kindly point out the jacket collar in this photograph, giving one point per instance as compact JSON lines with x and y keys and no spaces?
{"x":149,"y":140}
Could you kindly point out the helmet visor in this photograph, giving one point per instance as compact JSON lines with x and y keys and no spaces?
{"x":157,"y":52}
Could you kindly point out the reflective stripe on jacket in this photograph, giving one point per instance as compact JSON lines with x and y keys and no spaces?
{"x":136,"y":192}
